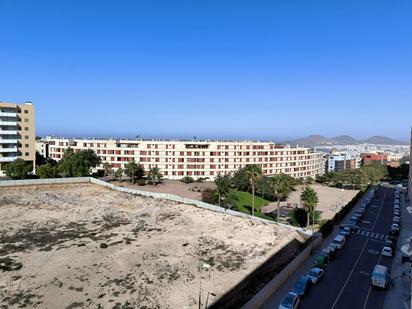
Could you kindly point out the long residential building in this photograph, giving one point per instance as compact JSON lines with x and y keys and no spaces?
{"x":196,"y":158}
{"x":17,"y":133}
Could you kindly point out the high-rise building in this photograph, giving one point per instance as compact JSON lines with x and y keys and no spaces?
{"x":17,"y":133}
{"x":410,"y":171}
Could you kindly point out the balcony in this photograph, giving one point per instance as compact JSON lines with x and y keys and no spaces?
{"x":8,"y":159}
{"x":8,"y":141}
{"x":8,"y":123}
{"x":8,"y":132}
{"x":2,"y":114}
{"x":7,"y":150}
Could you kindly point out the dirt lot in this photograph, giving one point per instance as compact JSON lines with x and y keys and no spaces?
{"x":84,"y":246}
{"x":330,"y":199}
{"x":191,"y":190}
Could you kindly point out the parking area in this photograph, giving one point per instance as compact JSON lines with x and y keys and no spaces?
{"x":347,"y":279}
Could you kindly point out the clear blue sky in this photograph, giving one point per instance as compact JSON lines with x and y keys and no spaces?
{"x":258,"y":69}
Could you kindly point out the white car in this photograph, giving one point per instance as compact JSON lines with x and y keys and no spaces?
{"x":291,"y":301}
{"x":396,"y":219}
{"x":387,"y":251}
{"x":315,"y":274}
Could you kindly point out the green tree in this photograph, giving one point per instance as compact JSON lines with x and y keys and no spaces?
{"x":231,"y":199}
{"x":18,"y":169}
{"x":309,"y":199}
{"x":254,"y":173}
{"x":154,"y":175}
{"x":282,"y":186}
{"x":107,"y":167}
{"x":76,"y":164}
{"x":134,"y":170}
{"x":47,"y":171}
{"x":119,"y":174}
{"x":222,"y":186}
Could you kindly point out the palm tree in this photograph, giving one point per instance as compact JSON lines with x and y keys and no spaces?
{"x":309,"y":199}
{"x":281,"y":188}
{"x":222,"y":186}
{"x":132,"y":168}
{"x":254,"y":173}
{"x":107,"y":168}
{"x":119,"y":174}
{"x":155,"y":175}
{"x":231,"y":199}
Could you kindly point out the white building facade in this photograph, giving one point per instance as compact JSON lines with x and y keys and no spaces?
{"x":196,"y":158}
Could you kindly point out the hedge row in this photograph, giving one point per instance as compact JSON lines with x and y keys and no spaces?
{"x":327,"y":227}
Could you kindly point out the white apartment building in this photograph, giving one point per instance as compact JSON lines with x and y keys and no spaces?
{"x":176,"y":158}
{"x":338,"y":161}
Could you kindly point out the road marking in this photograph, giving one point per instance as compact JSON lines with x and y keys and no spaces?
{"x":382,"y":236}
{"x":377,"y":235}
{"x":363,"y":232}
{"x":383,"y":200}
{"x":370,"y":287}
{"x":372,"y":235}
{"x":365,"y":221}
{"x":367,"y":234}
{"x":347,"y":280}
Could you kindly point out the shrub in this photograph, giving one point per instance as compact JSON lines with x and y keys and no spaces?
{"x":209,"y":195}
{"x":141,"y":182}
{"x":187,"y":179}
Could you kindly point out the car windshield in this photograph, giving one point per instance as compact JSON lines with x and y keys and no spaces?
{"x":288,"y":301}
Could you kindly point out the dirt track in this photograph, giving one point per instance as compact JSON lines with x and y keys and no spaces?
{"x":85,"y":246}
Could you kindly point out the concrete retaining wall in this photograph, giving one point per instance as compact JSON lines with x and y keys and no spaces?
{"x":48,"y":181}
{"x":260,"y":298}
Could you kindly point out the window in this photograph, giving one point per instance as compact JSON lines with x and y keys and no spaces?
{"x":26,"y":154}
{"x":26,"y":128}
{"x":26,"y":119}
{"x":26,"y":111}
{"x":26,"y":137}
{"x":26,"y":145}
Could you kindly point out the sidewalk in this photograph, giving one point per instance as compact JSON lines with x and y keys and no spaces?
{"x":398,"y":295}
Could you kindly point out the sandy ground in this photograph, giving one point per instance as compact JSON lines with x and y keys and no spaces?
{"x":330,"y":200}
{"x":192,"y":190}
{"x":84,"y":246}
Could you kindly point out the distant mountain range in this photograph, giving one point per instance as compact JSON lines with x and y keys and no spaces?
{"x":319,"y":140}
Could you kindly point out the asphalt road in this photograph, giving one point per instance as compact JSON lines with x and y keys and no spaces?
{"x":346,"y":283}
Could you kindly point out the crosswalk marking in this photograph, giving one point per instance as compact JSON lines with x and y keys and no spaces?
{"x":370,"y":234}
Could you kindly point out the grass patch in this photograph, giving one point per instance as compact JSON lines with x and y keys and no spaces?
{"x":245,"y":204}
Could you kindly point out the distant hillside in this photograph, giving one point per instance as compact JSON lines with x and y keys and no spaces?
{"x":319,"y":140}
{"x":383,"y":140}
{"x":344,"y":140}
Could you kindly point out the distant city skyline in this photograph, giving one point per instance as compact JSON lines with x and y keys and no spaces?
{"x":216,"y":69}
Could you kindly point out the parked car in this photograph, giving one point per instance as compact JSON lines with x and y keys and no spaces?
{"x":316,"y":274}
{"x":390,"y":242}
{"x":291,"y":301}
{"x":396,"y":213}
{"x":344,"y":232}
{"x":339,"y":241}
{"x":394,"y":231}
{"x":380,"y":276}
{"x":396,"y":219}
{"x":302,"y":286}
{"x":387,"y":251}
{"x":333,"y":250}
